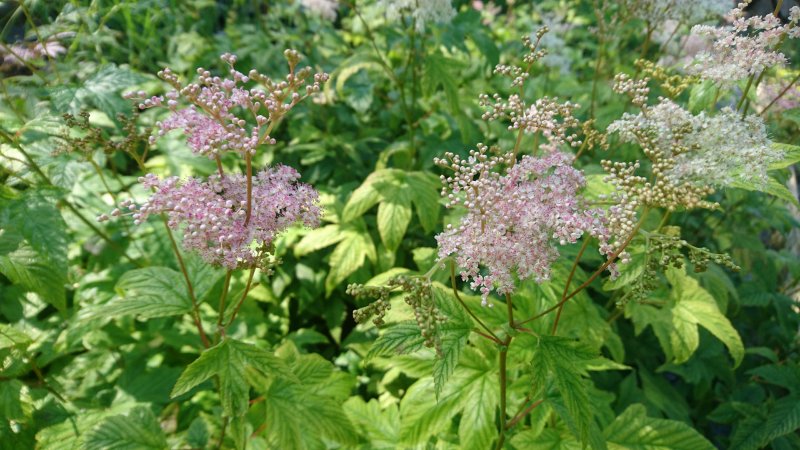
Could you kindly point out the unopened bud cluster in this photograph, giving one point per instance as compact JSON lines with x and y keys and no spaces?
{"x":418,"y":293}
{"x":667,"y":249}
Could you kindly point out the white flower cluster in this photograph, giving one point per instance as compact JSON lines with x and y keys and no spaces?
{"x":745,"y":48}
{"x":705,"y":150}
{"x":422,"y":11}
{"x":323,"y":8}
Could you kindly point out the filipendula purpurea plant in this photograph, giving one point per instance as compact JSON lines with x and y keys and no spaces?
{"x":230,"y":220}
{"x":518,"y":206}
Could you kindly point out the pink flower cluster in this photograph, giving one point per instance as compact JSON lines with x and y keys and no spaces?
{"x":515,"y":217}
{"x":745,"y":48}
{"x":222,"y":110}
{"x":212,"y":213}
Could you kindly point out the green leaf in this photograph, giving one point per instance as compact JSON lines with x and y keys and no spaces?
{"x":15,"y":403}
{"x":693,"y":306}
{"x":423,"y":416}
{"x":349,"y":255}
{"x":381,"y":428}
{"x":26,"y":267}
{"x":230,"y":360}
{"x":148,"y":292}
{"x":135,"y":430}
{"x":197,"y":434}
{"x":319,"y":238}
{"x":33,"y":246}
{"x":772,"y":187}
{"x":394,"y":215}
{"x":565,"y":361}
{"x":425,"y":195}
{"x":702,"y":95}
{"x":441,"y":71}
{"x":783,"y":418}
{"x":299,"y":415}
{"x":11,"y":337}
{"x":633,"y":430}
{"x":791,"y":155}
{"x":453,"y":336}
{"x":203,"y":275}
{"x":477,"y":428}
{"x":368,"y":195}
{"x":399,"y":338}
{"x":102,"y":90}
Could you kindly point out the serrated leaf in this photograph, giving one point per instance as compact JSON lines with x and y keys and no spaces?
{"x":381,"y":427}
{"x":453,"y":336}
{"x":548,"y":439}
{"x":27,"y":268}
{"x":368,"y":194}
{"x":783,"y":418}
{"x":786,"y":375}
{"x":772,"y":187}
{"x":101,"y":90}
{"x":148,"y":292}
{"x":399,"y":338}
{"x":135,"y":430}
{"x":11,"y":337}
{"x":230,"y":360}
{"x":319,"y":238}
{"x":565,"y":361}
{"x":695,"y":306}
{"x":33,"y":246}
{"x":791,"y":155}
{"x":197,"y":434}
{"x":203,"y":275}
{"x":425,"y":195}
{"x":394,"y":215}
{"x":633,"y":430}
{"x":477,"y":428}
{"x":349,"y":255}
{"x":299,"y":415}
{"x":423,"y":416}
{"x":71,"y":433}
{"x":440,"y":71}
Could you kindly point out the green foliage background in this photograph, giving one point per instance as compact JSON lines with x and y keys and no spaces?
{"x":94,"y":335}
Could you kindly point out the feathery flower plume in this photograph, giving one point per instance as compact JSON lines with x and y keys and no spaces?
{"x":745,"y":48}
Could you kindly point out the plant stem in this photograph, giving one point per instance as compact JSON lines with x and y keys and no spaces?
{"x":596,"y":274}
{"x":780,"y":95}
{"x":522,"y":414}
{"x":744,"y":93}
{"x":219,"y":166}
{"x":248,"y":159}
{"x":195,"y":308}
{"x":510,"y":306}
{"x":469,"y":311}
{"x":222,"y":298}
{"x":747,"y":102}
{"x":503,"y":382}
{"x":569,"y":282}
{"x":244,"y":296}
